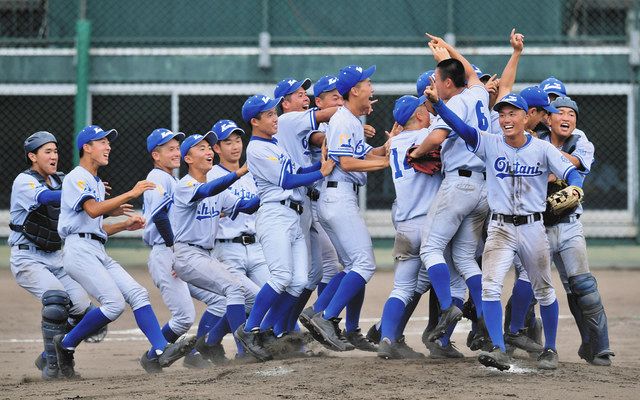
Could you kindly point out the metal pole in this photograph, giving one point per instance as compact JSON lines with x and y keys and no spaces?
{"x":83,"y":41}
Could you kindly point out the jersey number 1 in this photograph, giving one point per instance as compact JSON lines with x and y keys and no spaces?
{"x":483,"y":123}
{"x":396,"y":165}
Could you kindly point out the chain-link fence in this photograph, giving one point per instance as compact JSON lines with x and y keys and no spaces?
{"x":184,"y":65}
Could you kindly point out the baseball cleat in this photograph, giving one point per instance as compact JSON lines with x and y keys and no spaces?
{"x":480,"y":338}
{"x":438,"y":351}
{"x":175,"y":351}
{"x":252,"y":343}
{"x":389,"y":350}
{"x":305,"y":320}
{"x":406,"y":351}
{"x":212,"y":352}
{"x":447,"y":317}
{"x":495,"y":359}
{"x":195,"y":360}
{"x":40,"y":362}
{"x":151,"y":365}
{"x":65,"y":358}
{"x":330,"y":331}
{"x":601,"y":361}
{"x":522,"y":341}
{"x":548,"y":359}
{"x":373,"y":334}
{"x":357,"y":339}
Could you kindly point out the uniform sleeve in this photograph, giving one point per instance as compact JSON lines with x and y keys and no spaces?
{"x":585,"y":153}
{"x":185,"y":190}
{"x":558,"y":164}
{"x":267,"y":163}
{"x":77,"y":190}
{"x":27,"y":189}
{"x":157,"y":199}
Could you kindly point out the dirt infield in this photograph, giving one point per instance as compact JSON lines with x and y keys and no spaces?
{"x":110,"y":369}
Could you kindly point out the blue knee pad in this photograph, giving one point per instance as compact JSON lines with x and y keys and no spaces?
{"x":55,"y":311}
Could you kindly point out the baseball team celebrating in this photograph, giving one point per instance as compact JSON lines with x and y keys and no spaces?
{"x":485,"y":179}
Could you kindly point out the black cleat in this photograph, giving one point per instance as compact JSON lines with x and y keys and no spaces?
{"x":495,"y":359}
{"x":548,"y":359}
{"x":373,"y":334}
{"x":330,"y":331}
{"x":65,"y":358}
{"x":359,"y":341}
{"x":175,"y":351}
{"x":151,"y":365}
{"x":447,"y":317}
{"x":522,"y":341}
{"x":252,"y":343}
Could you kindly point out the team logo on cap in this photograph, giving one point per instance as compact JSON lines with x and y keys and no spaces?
{"x":553,"y":85}
{"x":197,"y":136}
{"x":359,"y":69}
{"x":332,"y":81}
{"x":166,"y":133}
{"x":510,"y":98}
{"x":265,"y":99}
{"x":291,"y":82}
{"x":227,"y":126}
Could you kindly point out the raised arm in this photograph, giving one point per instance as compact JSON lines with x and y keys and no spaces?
{"x":508,"y":77}
{"x":472,"y":78}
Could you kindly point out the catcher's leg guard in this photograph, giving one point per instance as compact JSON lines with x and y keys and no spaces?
{"x":55,"y":312}
{"x":594,"y":319}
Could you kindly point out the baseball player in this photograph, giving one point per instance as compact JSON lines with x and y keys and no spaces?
{"x":553,"y":87}
{"x":36,"y":259}
{"x":278,"y":223}
{"x":338,"y":209}
{"x":164,"y":148}
{"x":297,"y":134}
{"x":568,"y":246}
{"x":82,"y":208}
{"x":236,"y":244}
{"x":197,"y":205}
{"x":515,"y":161}
{"x":461,"y":221}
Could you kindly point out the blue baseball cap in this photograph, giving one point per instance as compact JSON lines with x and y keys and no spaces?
{"x":552,"y":85}
{"x":193,"y":140}
{"x":405,"y":107}
{"x":224,"y":128}
{"x":161,"y":136}
{"x":290,"y":85}
{"x":513,"y":99}
{"x":536,"y":97}
{"x":325,"y":84}
{"x":423,"y":81}
{"x":257,"y":104}
{"x":479,"y":72}
{"x":349,"y":76}
{"x":94,"y":132}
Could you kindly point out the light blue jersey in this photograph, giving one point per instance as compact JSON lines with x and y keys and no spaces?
{"x":294,"y":130}
{"x":268,"y":162}
{"x":414,"y":190}
{"x":24,"y":199}
{"x":517,"y":178}
{"x":196,"y":222}
{"x":244,"y":188}
{"x":584,"y":152}
{"x":495,"y":123}
{"x":77,"y":187}
{"x":471,"y":105}
{"x":154,"y":201}
{"x":345,"y":137}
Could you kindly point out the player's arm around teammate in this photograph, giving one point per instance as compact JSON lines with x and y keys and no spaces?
{"x":277,"y":223}
{"x":83,"y":205}
{"x":515,"y":156}
{"x":36,"y":258}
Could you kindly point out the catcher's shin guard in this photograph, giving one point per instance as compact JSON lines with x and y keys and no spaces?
{"x":594,"y":319}
{"x":55,"y":312}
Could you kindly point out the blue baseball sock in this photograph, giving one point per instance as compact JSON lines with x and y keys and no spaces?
{"x":549,"y":315}
{"x":278,"y":310}
{"x":207,"y":321}
{"x":444,"y":340}
{"x":354,"y":306}
{"x":218,"y":331}
{"x":91,"y":322}
{"x":408,"y":311}
{"x":148,"y":324}
{"x":440,"y":282}
{"x":297,"y":309}
{"x":392,"y":314}
{"x":521,"y":298}
{"x":349,"y":287}
{"x":282,"y":322}
{"x":492,"y":311}
{"x":321,"y":287}
{"x":475,"y":290}
{"x":329,"y":291}
{"x":169,"y":334}
{"x":264,"y":300}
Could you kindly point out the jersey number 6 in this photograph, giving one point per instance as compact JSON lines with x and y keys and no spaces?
{"x":483,"y":123}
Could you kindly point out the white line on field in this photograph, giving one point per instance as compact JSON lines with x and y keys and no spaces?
{"x":136,"y":335}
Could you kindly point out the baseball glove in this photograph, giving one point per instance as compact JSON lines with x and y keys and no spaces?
{"x":562,"y":203}
{"x":428,"y":164}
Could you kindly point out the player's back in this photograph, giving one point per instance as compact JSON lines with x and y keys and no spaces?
{"x":414,"y":190}
{"x":294,"y":129}
{"x":472,"y":106}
